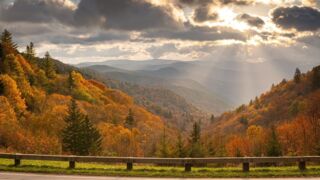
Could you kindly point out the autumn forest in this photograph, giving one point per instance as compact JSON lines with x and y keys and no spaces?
{"x":47,"y":107}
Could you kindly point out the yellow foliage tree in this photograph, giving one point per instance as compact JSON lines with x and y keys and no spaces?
{"x":11,"y":91}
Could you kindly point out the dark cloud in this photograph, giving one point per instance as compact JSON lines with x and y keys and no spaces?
{"x":197,"y":33}
{"x":214,"y":2}
{"x":251,"y":20}
{"x":195,"y":2}
{"x":299,"y":18}
{"x":108,"y":14}
{"x":202,"y":14}
{"x":124,"y":15}
{"x":37,"y":11}
{"x":237,"y":2}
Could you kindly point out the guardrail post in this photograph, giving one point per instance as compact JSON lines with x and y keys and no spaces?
{"x":17,"y":162}
{"x":245,"y":167}
{"x":129,"y":166}
{"x":302,"y":165}
{"x":187,"y":167}
{"x":72,"y":164}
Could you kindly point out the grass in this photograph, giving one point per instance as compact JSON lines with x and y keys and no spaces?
{"x":154,"y":171}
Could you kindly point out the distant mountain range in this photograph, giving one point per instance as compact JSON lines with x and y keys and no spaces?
{"x":212,"y":86}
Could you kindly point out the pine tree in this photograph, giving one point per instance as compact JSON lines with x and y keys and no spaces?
{"x":49,"y":66}
{"x":7,"y":44}
{"x":71,"y":81}
{"x":30,"y":50}
{"x":80,"y":137}
{"x":315,"y":78}
{"x":196,"y":147}
{"x":91,"y":137}
{"x":297,"y":76}
{"x":164,"y":151}
{"x":180,"y":149}
{"x":30,"y":53}
{"x":273,"y":144}
{"x":243,"y":120}
{"x":71,"y":140}
{"x":212,"y":118}
{"x":129,"y":120}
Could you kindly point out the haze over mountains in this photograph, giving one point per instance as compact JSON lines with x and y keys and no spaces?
{"x":212,"y":86}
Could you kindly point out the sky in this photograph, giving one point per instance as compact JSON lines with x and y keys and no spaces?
{"x":254,"y":31}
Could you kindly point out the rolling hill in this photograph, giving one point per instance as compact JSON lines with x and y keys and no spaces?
{"x":35,"y":94}
{"x":282,"y":103}
{"x":212,"y":86}
{"x":171,"y":107}
{"x":164,"y":78}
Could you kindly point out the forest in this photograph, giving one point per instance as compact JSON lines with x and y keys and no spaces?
{"x":46,"y":109}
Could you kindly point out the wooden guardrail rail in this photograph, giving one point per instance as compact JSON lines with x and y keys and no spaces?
{"x":186,"y":162}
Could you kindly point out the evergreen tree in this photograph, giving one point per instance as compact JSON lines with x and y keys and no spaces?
{"x":196,"y":147}
{"x":49,"y":66}
{"x":129,"y":120}
{"x":212,"y":118}
{"x":7,"y":44}
{"x":71,"y":139}
{"x":80,"y":137}
{"x":30,"y":53}
{"x":164,"y":151}
{"x":284,"y":81}
{"x":243,"y":120}
{"x":91,"y":137}
{"x":273,"y":144}
{"x":315,"y":78}
{"x":71,"y":81}
{"x":30,"y":50}
{"x":297,"y":76}
{"x":180,"y":149}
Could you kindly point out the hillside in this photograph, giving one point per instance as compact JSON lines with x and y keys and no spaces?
{"x":283,"y":102}
{"x":213,"y":85}
{"x":34,"y":97}
{"x":289,"y":113}
{"x":167,"y":78}
{"x":171,"y":107}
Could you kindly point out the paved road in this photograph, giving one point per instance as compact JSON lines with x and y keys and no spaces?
{"x":27,"y":176}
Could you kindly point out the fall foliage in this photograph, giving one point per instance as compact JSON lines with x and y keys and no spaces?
{"x":35,"y":94}
{"x":34,"y":100}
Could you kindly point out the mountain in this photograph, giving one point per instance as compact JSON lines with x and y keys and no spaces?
{"x":282,"y":103}
{"x":211,"y":85}
{"x":174,"y":109}
{"x":131,"y":65}
{"x":282,"y":121}
{"x":35,"y":94}
{"x":163,"y":78}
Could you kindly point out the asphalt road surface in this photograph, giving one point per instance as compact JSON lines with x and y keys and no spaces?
{"x":27,"y":176}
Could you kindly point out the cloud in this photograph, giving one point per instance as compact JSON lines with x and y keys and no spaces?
{"x":300,"y":18}
{"x":197,"y":33}
{"x":129,"y":15}
{"x":237,"y":2}
{"x":310,"y":2}
{"x":158,"y":51}
{"x":215,"y":2}
{"x":202,"y":14}
{"x":195,"y":2}
{"x":38,"y":11}
{"x":251,"y":20}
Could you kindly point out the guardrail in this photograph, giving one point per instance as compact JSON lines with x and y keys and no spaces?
{"x":186,"y":162}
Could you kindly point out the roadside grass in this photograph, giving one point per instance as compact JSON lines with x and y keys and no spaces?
{"x":57,"y":167}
